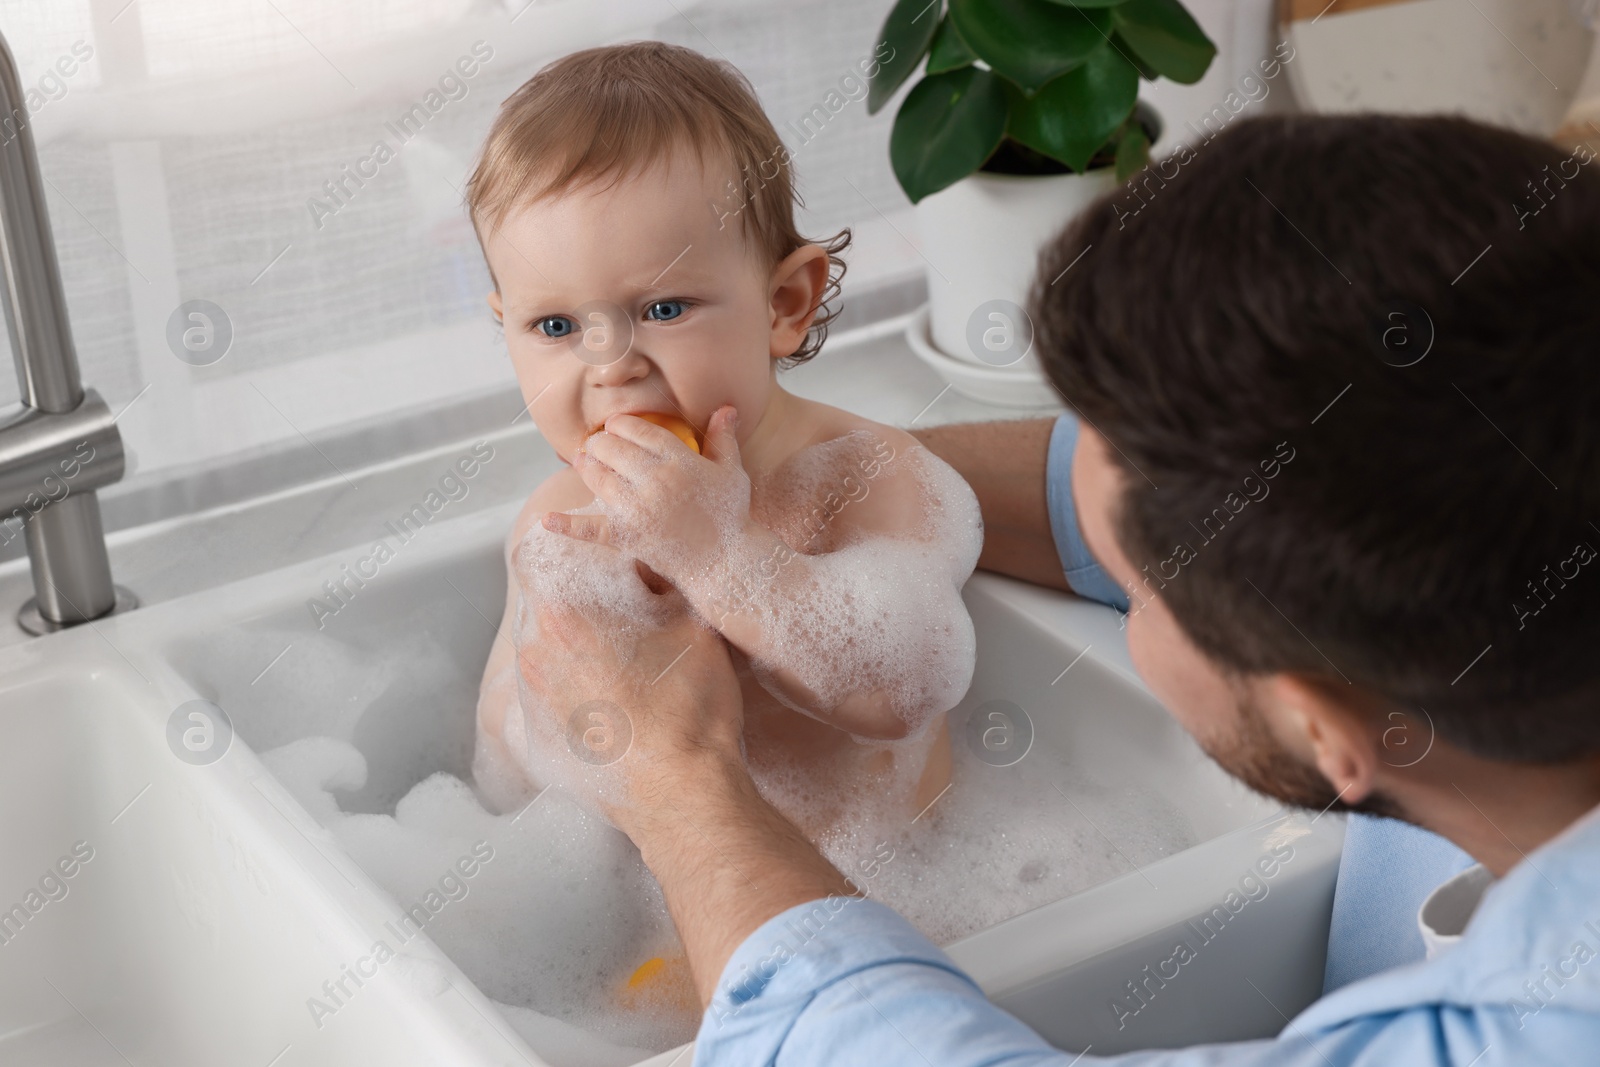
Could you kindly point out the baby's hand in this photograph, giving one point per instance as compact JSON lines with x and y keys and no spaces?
{"x":666,"y":506}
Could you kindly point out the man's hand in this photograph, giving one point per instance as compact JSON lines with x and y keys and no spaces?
{"x":659,"y":717}
{"x":643,"y":716}
{"x":666,"y":506}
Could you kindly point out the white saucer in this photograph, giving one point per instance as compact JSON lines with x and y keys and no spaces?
{"x":1023,"y":386}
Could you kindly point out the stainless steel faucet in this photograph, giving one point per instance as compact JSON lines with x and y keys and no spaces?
{"x":61,"y":443}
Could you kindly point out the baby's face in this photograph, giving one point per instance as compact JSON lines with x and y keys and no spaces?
{"x":633,"y":298}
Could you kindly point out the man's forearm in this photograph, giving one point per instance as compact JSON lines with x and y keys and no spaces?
{"x":1004,"y":462}
{"x":727,"y":862}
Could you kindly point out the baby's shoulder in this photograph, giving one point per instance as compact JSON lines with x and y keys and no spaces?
{"x":562,"y":491}
{"x":877,"y":479}
{"x":841,"y":432}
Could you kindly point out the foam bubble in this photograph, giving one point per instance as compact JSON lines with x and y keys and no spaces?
{"x":865,"y":615}
{"x":422,"y":974}
{"x":564,"y":912}
{"x":1006,"y":840}
{"x":558,"y":910}
{"x":555,"y":922}
{"x":873,"y":614}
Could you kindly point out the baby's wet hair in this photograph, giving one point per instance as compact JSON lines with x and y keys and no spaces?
{"x":605,"y":114}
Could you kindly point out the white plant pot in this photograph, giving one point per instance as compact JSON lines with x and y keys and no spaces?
{"x":981,"y":237}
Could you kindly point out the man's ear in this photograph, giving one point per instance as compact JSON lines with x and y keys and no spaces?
{"x":494,"y":306}
{"x":1331,"y":726}
{"x":797,"y":286}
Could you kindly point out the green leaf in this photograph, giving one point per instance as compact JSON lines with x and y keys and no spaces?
{"x":904,"y":39}
{"x":1030,"y":41}
{"x":1166,"y":37}
{"x":949,"y":124}
{"x":1088,"y":3}
{"x":949,"y":50}
{"x":1146,"y":71}
{"x":1133,"y":152}
{"x":1073,"y":116}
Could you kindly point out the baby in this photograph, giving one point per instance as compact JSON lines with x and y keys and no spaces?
{"x":636,"y":212}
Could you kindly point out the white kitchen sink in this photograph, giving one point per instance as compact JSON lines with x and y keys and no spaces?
{"x":160,"y":911}
{"x":216,"y":905}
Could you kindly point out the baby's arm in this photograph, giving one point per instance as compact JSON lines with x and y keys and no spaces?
{"x":872,"y":637}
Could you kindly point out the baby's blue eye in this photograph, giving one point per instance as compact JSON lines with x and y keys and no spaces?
{"x":670,"y":309}
{"x":554,"y":326}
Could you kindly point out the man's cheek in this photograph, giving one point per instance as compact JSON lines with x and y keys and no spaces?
{"x":1169,"y":664}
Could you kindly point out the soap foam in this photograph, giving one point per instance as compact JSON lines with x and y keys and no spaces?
{"x":874,"y":613}
{"x":877,"y":614}
{"x":553,"y":926}
{"x":1005,"y":840}
{"x":555,"y":921}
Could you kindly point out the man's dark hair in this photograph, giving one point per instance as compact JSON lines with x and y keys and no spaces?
{"x":1410,"y":309}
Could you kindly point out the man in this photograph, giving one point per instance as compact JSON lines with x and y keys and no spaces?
{"x":1378,"y":297}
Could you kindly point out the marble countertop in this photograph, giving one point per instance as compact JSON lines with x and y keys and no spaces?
{"x":870,"y":370}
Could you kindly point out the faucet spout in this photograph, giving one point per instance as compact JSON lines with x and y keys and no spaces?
{"x":58,"y":419}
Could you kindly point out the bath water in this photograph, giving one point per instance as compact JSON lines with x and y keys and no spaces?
{"x":553,"y":926}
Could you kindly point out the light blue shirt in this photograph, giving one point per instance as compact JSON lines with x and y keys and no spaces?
{"x":1084,"y":574}
{"x":846,"y":982}
{"x":842,"y":981}
{"x":1386,"y":871}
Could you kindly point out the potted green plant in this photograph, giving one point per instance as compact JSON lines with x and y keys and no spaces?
{"x":1026,"y":110}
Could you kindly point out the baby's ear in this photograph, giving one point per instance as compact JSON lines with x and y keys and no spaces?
{"x":797,"y":287}
{"x":494,"y":306}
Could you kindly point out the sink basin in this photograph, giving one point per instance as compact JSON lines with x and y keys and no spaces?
{"x":160,"y":911}
{"x":221,"y":899}
{"x":1164,"y":956}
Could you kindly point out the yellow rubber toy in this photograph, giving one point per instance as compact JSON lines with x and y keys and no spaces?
{"x":683,"y":430}
{"x":661,"y":984}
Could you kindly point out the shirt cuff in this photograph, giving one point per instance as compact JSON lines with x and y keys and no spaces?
{"x":1083,"y":572}
{"x":780,"y":968}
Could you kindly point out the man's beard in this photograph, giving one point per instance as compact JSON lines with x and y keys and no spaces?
{"x":1255,"y":756}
